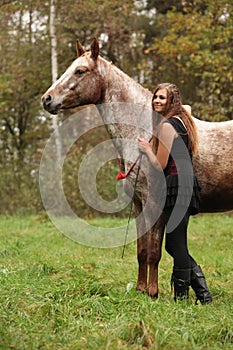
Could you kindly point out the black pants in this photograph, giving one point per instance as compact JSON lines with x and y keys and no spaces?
{"x":176,"y":242}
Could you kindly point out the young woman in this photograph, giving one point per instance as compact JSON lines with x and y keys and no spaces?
{"x":182,"y":197}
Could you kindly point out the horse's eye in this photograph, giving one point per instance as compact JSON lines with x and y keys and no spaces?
{"x":79,"y":72}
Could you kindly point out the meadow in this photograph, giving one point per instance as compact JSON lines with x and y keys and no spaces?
{"x":57,"y":294}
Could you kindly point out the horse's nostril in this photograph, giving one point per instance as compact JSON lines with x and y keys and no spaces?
{"x":46,"y":100}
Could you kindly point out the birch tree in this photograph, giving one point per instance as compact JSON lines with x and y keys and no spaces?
{"x":54,"y":67}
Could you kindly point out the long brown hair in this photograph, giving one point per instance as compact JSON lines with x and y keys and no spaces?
{"x":174,"y":108}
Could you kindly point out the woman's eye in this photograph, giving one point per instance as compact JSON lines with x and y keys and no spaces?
{"x":161,"y":97}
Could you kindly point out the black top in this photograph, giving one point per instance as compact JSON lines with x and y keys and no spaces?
{"x":182,"y":185}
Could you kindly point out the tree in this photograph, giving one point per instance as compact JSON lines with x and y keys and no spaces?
{"x":54,"y":66}
{"x":21,"y":123}
{"x":112,"y":22}
{"x":195,"y":51}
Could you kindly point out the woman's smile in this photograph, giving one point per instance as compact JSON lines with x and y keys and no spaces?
{"x":160,"y":101}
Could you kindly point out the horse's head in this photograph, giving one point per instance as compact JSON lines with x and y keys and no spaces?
{"x":81,"y":84}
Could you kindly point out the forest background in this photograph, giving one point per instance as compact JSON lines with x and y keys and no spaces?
{"x":189,"y":43}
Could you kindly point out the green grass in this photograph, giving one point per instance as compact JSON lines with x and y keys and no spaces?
{"x":57,"y":294}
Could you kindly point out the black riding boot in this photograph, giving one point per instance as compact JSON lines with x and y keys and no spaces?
{"x":198,"y":283}
{"x":181,"y":282}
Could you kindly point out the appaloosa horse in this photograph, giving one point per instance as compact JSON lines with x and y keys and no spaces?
{"x":90,"y":79}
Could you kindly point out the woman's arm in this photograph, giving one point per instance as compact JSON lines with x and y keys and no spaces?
{"x":166,"y":137}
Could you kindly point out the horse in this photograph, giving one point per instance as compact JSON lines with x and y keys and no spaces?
{"x":91,"y":79}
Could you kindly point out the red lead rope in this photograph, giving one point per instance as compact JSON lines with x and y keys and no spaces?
{"x":122,"y":175}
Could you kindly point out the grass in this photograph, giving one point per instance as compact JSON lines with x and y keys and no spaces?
{"x":57,"y":294}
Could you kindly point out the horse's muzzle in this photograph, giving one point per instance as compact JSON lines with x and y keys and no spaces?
{"x":49,"y":105}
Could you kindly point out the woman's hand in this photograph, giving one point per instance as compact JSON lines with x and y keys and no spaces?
{"x":144,"y":146}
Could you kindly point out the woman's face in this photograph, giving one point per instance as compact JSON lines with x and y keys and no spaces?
{"x":160,"y":101}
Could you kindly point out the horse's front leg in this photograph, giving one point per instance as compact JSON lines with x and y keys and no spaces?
{"x":142,"y":264}
{"x":141,"y":248}
{"x":154,"y":241}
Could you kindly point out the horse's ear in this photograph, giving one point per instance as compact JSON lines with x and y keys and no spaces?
{"x":80,"y":50}
{"x":95,"y":49}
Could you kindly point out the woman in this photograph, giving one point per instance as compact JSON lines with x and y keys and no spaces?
{"x":177,"y":128}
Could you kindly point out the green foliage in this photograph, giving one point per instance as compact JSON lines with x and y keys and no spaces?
{"x":56,"y":294}
{"x":198,"y":46}
{"x":21,"y":127}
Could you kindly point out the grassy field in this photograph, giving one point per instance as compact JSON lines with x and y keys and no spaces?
{"x":57,"y":294}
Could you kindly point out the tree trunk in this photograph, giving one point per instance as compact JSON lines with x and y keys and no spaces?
{"x":54,"y":65}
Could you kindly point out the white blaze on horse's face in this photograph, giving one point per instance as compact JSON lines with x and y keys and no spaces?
{"x":81,"y":83}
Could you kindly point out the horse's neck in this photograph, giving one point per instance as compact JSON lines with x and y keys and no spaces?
{"x":119,"y":87}
{"x":125,"y":109}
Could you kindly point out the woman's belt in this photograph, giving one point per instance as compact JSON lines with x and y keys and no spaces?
{"x":172,"y":169}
